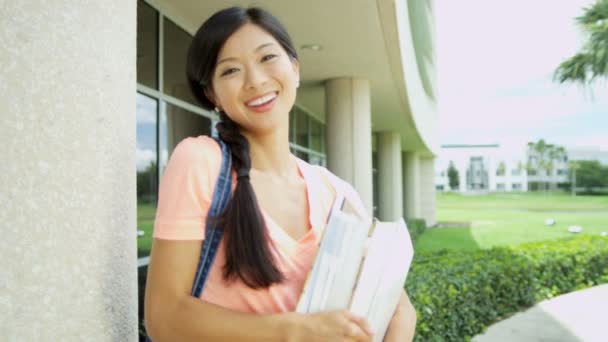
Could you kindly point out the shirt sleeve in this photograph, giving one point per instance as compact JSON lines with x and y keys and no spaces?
{"x":186,"y":190}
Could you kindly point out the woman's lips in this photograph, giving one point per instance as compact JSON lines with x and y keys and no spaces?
{"x":264,"y":106}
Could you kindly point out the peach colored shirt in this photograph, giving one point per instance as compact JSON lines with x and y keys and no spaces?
{"x":185,"y":195}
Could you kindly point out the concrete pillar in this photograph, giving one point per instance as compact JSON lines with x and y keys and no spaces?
{"x":390,"y":176}
{"x":349,"y":134}
{"x":427,"y":191}
{"x":411,"y":185}
{"x":67,"y":171}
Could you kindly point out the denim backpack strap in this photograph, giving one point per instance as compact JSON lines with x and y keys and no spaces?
{"x":213,"y":233}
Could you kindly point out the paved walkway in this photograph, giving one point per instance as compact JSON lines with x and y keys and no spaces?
{"x":577,"y":316}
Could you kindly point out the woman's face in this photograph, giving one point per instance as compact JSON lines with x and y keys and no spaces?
{"x":255,"y":81}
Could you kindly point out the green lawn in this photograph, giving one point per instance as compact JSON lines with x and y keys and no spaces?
{"x":512,"y":219}
{"x":145,"y":222}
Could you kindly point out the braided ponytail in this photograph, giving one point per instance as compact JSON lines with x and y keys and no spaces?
{"x":248,"y":251}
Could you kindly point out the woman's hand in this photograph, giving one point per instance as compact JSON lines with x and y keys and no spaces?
{"x":338,"y":325}
{"x":403,"y":324}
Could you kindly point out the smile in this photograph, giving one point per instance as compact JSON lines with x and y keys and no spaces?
{"x":262,"y":103}
{"x":262,"y":100}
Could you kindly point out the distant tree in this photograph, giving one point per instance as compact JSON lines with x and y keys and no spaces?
{"x":592,"y":60}
{"x":453,"y":178}
{"x":146,"y":182}
{"x":591,"y":174}
{"x":502,"y":169}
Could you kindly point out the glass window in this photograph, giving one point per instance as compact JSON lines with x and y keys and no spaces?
{"x":147,"y":171}
{"x":177,"y":124}
{"x":176,"y":43}
{"x":316,"y":160}
{"x":147,"y":45}
{"x":302,"y":124}
{"x":316,"y":136}
{"x":301,"y":154}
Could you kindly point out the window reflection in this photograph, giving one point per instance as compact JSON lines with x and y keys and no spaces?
{"x":176,"y":125}
{"x":302,"y":121}
{"x":147,"y":171}
{"x":176,"y":43}
{"x":147,"y":45}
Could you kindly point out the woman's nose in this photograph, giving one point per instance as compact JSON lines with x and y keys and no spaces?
{"x":255,"y":78}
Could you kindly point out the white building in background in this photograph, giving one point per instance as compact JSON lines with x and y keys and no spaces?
{"x":482,"y":168}
{"x":496,"y":168}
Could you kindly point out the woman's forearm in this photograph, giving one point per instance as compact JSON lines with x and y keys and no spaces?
{"x":403,"y":324}
{"x":194,"y":320}
{"x":399,"y":331}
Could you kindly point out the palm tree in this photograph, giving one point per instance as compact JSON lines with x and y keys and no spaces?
{"x":592,"y":61}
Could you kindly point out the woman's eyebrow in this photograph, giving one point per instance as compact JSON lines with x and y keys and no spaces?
{"x":233,"y":58}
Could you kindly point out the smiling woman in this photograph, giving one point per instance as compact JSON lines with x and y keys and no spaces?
{"x":243,"y":65}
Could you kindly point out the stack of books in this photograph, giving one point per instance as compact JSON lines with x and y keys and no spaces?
{"x":360,"y":266}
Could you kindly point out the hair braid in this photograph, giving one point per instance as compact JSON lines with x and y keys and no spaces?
{"x":248,"y":250}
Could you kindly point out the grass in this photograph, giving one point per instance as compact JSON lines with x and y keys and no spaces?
{"x":512,"y":219}
{"x":145,"y":222}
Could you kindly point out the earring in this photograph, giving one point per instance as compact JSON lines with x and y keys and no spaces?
{"x":217,"y":110}
{"x":297,"y":84}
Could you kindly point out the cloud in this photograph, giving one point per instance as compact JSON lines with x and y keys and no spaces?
{"x":146,"y":109}
{"x":144,"y":157}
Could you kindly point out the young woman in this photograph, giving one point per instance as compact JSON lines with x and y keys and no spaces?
{"x":243,"y":65}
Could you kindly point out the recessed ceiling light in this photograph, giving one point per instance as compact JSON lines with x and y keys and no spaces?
{"x":313,"y":47}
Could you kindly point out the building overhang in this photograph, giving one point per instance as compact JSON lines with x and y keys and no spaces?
{"x":388,"y":42}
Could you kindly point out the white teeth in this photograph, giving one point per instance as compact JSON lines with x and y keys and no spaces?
{"x":262,"y":100}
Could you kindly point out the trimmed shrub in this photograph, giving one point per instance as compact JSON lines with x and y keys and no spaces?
{"x":416,"y":227}
{"x":458,"y":294}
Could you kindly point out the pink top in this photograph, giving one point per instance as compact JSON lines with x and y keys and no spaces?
{"x":185,"y":194}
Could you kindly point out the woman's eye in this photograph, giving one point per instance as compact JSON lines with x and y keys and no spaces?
{"x":229,"y":71}
{"x":268,"y":57}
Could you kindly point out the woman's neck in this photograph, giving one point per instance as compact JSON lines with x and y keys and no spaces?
{"x":270,"y":154}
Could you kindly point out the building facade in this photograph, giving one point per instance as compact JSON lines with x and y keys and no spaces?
{"x":496,"y":168}
{"x":95,"y":94}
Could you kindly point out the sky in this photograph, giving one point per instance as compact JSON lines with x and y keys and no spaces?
{"x":495,"y":62}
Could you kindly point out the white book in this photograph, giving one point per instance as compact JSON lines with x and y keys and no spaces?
{"x":359,"y":266}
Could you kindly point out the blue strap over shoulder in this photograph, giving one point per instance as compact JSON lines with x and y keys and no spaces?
{"x":213,"y":233}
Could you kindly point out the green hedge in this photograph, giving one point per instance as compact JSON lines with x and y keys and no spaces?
{"x":416,"y":227}
{"x":458,"y":294}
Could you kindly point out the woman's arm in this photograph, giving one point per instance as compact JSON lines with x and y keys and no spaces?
{"x":403,"y":324}
{"x":172,"y":314}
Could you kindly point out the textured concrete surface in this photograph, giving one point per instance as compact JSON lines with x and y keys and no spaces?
{"x":67,"y":171}
{"x":577,"y":316}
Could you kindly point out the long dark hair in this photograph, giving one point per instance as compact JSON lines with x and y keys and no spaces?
{"x":248,"y":251}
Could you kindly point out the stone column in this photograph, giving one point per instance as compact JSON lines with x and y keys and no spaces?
{"x":349,"y":135}
{"x":411,"y":185}
{"x":427,"y":191}
{"x":390,"y":192}
{"x":67,"y":171}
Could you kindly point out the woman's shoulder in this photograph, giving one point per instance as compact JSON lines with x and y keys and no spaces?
{"x":198,"y":150}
